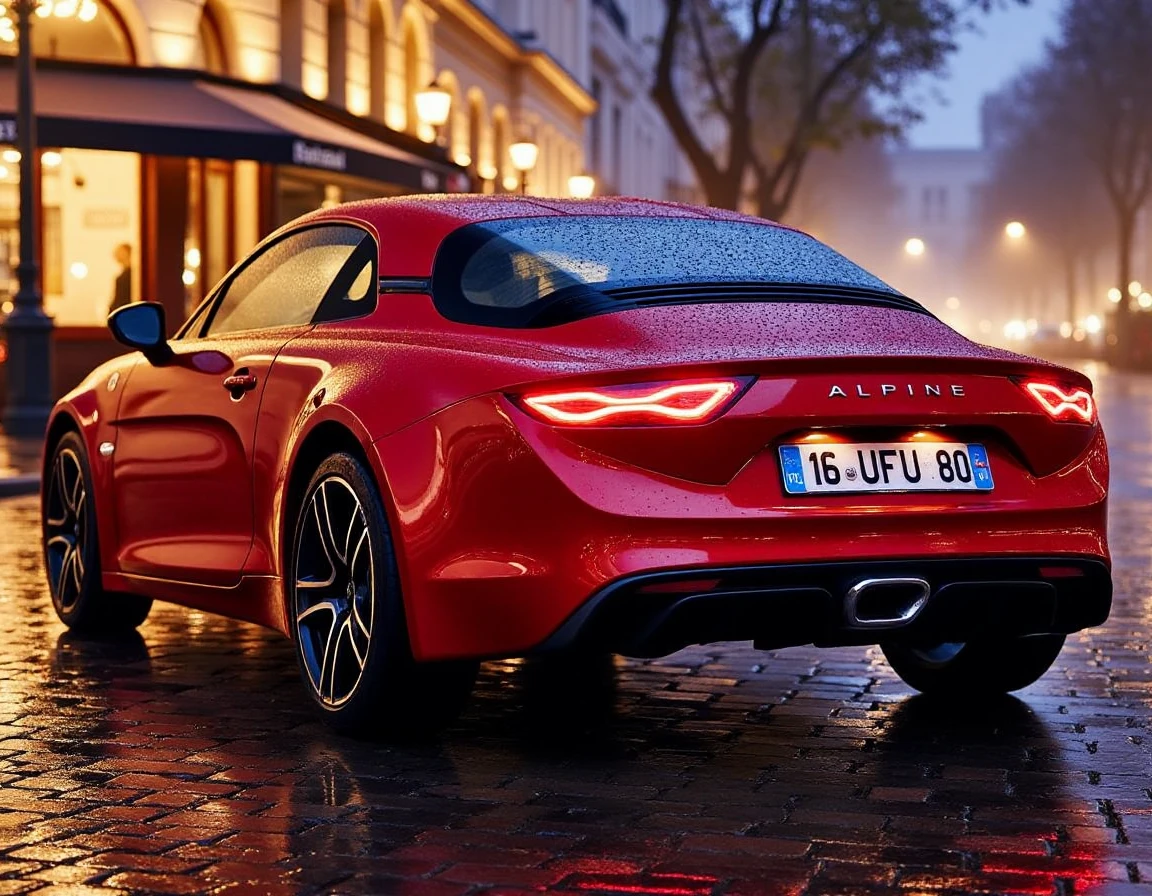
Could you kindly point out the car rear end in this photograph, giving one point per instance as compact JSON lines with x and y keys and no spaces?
{"x":783,"y":464}
{"x":964,"y":500}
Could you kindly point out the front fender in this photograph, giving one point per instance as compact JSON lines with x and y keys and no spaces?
{"x":92,"y":410}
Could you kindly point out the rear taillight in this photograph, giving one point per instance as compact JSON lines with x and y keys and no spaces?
{"x":647,"y":404}
{"x":1074,"y":405}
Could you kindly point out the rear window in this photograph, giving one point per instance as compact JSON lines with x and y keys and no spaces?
{"x":541,"y":271}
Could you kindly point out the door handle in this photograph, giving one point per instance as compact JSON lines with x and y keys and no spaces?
{"x":240,"y":382}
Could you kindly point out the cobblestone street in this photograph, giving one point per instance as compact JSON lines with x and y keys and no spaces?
{"x":187,"y":760}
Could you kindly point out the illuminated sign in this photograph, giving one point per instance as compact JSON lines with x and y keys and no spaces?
{"x":315,"y":156}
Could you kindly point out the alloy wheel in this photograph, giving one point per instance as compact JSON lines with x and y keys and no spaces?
{"x":335,"y":589}
{"x":66,"y":529}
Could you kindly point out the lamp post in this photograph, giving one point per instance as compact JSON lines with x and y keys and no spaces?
{"x":433,"y":106}
{"x":914,"y":247}
{"x":581,"y":186}
{"x":1017,"y":239}
{"x":524,"y":154}
{"x":1014,"y":230}
{"x":28,"y":329}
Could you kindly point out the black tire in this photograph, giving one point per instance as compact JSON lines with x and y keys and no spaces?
{"x":72,"y":548}
{"x":978,"y":668}
{"x":347,"y":615}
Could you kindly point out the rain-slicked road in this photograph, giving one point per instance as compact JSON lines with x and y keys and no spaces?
{"x":186,"y":760}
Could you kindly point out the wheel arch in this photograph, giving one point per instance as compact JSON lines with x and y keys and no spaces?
{"x":330,"y":436}
{"x":62,"y":421}
{"x":326,"y":438}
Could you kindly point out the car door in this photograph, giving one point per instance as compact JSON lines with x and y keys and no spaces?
{"x":186,"y":429}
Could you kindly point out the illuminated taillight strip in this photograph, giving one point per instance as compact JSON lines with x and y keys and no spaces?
{"x":1060,"y":405}
{"x":662,"y":403}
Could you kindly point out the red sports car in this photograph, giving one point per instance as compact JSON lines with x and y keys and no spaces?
{"x":415,"y":433}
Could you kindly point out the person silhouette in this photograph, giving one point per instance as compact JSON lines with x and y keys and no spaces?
{"x":122,"y":288}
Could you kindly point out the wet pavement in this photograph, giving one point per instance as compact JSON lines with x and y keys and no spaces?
{"x":19,"y":465}
{"x":186,"y":760}
{"x":19,"y":456}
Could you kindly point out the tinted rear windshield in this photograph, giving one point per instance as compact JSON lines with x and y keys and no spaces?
{"x":542,"y":271}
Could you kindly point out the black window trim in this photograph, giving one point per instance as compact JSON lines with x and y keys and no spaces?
{"x":582,"y":300}
{"x":364,"y":247}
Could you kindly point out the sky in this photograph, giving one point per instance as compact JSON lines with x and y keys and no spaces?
{"x":1007,"y":40}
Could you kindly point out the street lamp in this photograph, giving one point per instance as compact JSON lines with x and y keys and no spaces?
{"x":433,"y":106}
{"x":28,"y":329}
{"x":1014,"y":230}
{"x":524,"y":154}
{"x":581,"y":186}
{"x":914,"y":247}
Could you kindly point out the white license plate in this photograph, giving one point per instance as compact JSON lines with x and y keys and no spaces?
{"x":885,"y":467}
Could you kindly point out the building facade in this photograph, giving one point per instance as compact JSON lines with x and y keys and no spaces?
{"x":937,"y":201}
{"x":609,"y":47}
{"x":175,"y":134}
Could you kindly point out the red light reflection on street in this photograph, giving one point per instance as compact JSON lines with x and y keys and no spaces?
{"x":655,"y":885}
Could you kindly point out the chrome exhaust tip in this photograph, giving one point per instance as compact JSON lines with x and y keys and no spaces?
{"x":873,"y":603}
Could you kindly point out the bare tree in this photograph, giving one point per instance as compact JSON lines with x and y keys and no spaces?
{"x":814,"y":60}
{"x":1043,"y":179}
{"x":1101,"y":93}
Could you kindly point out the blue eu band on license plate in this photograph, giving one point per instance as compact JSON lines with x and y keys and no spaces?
{"x":824,"y":468}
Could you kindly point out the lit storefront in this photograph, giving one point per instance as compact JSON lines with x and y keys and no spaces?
{"x":179,"y":172}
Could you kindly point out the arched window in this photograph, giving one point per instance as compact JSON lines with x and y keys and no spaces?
{"x":500,"y":143}
{"x":211,"y":55}
{"x":102,"y":38}
{"x":411,"y":78}
{"x":292,"y":42}
{"x":377,"y":59}
{"x":337,"y":52}
{"x":452,"y":134}
{"x":476,"y":135}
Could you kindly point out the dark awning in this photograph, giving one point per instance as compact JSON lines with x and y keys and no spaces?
{"x":157,"y":112}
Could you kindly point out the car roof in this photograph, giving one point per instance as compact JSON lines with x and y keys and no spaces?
{"x":411,"y":228}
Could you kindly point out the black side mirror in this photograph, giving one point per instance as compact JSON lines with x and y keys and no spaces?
{"x":141,"y":326}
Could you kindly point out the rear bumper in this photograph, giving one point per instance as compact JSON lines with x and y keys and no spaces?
{"x":505,"y":531}
{"x":782,"y":606}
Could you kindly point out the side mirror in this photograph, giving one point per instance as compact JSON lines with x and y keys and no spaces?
{"x":141,"y":326}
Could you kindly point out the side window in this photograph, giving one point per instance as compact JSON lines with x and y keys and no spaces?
{"x":355,"y":290}
{"x":191,"y":329}
{"x":286,"y":283}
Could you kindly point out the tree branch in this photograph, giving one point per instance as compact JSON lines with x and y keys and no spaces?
{"x":665,"y":96}
{"x":796,"y":149}
{"x":706,"y":62}
{"x":740,"y":137}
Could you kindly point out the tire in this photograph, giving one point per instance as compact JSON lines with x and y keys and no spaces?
{"x":347,"y":615}
{"x":978,"y":668}
{"x":72,"y":549}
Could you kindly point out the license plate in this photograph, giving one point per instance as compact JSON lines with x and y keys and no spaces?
{"x":885,"y":467}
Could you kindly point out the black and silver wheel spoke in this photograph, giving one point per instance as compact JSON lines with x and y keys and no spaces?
{"x":65,"y":528}
{"x":334,"y":588}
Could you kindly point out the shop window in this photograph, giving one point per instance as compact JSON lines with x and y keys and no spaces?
{"x":52,"y":277}
{"x":209,"y":234}
{"x":285,"y":284}
{"x":90,"y":231}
